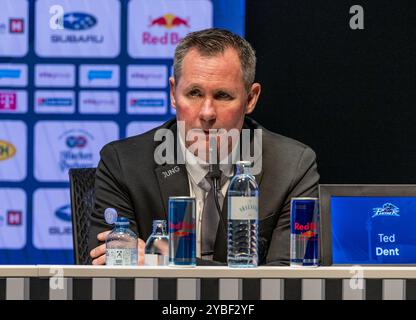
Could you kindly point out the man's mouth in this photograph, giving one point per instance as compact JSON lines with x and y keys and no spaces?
{"x":206,"y":133}
{"x":210,"y":130}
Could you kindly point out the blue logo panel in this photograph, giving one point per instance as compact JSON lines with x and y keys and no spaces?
{"x":373,"y":230}
{"x":79,"y":21}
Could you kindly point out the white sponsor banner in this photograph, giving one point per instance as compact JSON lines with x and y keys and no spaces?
{"x":14,"y":28}
{"x":13,"y":101}
{"x":155,"y":28}
{"x":99,"y":76}
{"x":52,"y":227}
{"x":146,"y":102}
{"x":61,"y":145}
{"x":99,"y":102}
{"x":139,"y":127}
{"x":54,"y":75}
{"x":13,"y":74}
{"x":88,"y":29}
{"x":12,"y":218}
{"x":147,"y":76}
{"x":13,"y":150}
{"x":54,"y":101}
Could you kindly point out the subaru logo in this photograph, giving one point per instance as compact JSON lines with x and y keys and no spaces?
{"x":76,"y":142}
{"x":64,"y":213}
{"x":79,"y":21}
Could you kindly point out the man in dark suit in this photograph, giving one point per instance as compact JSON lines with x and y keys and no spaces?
{"x":213,"y":88}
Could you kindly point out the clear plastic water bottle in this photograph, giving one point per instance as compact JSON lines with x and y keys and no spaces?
{"x":157,"y":245}
{"x":243,"y":195}
{"x":121,"y":245}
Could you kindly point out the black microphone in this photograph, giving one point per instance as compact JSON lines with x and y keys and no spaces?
{"x":214,"y":173}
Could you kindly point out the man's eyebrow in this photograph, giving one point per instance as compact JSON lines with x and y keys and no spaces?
{"x":223,"y":90}
{"x":192,"y":86}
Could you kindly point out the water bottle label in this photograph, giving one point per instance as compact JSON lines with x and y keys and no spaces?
{"x":120,"y":257}
{"x":244,"y":208}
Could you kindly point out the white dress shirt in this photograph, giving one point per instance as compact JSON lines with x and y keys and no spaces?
{"x":197,"y":171}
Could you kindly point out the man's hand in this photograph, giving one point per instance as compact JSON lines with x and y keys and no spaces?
{"x":98,"y":254}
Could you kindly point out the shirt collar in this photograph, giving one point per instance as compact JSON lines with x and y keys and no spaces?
{"x":198,"y":168}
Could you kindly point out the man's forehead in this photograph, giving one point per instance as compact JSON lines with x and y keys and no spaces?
{"x":221,"y":67}
{"x":195,"y":53}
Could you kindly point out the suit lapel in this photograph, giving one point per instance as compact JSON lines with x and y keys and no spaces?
{"x":173,"y":181}
{"x":172,"y":178}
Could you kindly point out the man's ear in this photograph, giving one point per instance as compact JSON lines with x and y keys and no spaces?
{"x":253,"y":96}
{"x":172,"y":92}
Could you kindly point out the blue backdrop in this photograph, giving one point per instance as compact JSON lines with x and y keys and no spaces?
{"x":75,"y":75}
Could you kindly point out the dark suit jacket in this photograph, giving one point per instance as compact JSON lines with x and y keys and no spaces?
{"x":129,"y":180}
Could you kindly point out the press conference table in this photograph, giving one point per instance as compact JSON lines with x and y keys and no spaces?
{"x":66,"y":282}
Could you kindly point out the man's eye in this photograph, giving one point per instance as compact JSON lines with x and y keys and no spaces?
{"x":194,"y":93}
{"x":223,"y":96}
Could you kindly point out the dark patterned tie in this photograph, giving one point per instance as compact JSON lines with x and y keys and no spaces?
{"x":210,"y":217}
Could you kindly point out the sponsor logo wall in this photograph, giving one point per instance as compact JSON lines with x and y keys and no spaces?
{"x":92,"y":74}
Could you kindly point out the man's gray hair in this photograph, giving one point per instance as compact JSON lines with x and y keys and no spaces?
{"x":214,"y":41}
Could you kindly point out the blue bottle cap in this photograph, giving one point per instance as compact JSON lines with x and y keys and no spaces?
{"x":122,"y":221}
{"x":110,"y":215}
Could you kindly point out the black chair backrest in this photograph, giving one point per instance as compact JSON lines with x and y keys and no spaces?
{"x":82,"y":204}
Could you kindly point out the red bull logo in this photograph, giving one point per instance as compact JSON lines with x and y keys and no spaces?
{"x":308,"y":234}
{"x":181,"y":228}
{"x":169,"y":21}
{"x":305,"y":227}
{"x":307,"y":230}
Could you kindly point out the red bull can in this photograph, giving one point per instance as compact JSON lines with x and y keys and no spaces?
{"x":304,"y":232}
{"x":182,"y":239}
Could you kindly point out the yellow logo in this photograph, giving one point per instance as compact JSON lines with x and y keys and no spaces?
{"x":7,"y":150}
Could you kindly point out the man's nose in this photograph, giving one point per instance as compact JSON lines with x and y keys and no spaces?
{"x":207,"y":112}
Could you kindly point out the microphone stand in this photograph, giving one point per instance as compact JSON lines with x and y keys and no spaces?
{"x":214,"y":173}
